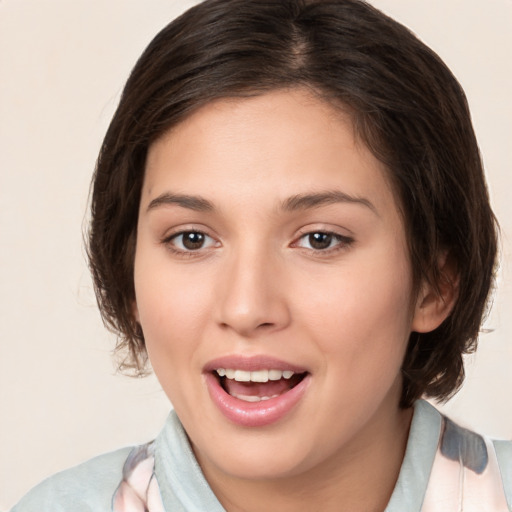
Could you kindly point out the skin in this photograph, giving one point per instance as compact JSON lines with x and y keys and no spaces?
{"x":259,"y":286}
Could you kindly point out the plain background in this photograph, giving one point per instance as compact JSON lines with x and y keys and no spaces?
{"x":62,"y":67}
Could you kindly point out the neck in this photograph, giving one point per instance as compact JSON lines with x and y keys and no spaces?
{"x":361,"y":477}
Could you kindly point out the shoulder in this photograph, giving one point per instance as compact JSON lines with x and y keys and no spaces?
{"x":88,"y":487}
{"x":503,"y":451}
{"x":449,"y":467}
{"x":469,"y":469}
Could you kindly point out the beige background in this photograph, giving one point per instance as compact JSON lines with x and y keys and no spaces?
{"x":62,"y":66}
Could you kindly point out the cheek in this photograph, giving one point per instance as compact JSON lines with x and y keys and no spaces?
{"x":364,"y":318}
{"x":172,"y":315}
{"x":172,"y":308}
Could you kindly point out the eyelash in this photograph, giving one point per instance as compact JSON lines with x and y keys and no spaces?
{"x":169,"y":242}
{"x":341,"y":243}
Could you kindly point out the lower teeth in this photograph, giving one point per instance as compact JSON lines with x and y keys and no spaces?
{"x":250,"y":398}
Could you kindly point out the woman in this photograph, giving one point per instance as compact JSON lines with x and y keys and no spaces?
{"x":290,"y":218}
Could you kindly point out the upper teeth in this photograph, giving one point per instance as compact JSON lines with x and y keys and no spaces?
{"x":257,"y":376}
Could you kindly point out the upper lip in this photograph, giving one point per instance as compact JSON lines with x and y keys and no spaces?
{"x":252,"y":364}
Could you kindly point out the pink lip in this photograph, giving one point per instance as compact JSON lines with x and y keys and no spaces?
{"x":252,"y":364}
{"x":253,"y":414}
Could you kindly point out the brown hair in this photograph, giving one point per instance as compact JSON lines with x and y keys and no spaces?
{"x":406,"y":106}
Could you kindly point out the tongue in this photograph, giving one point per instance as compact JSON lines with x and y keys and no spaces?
{"x":270,"y":388}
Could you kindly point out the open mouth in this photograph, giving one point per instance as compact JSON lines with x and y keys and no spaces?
{"x":256,"y":391}
{"x":257,"y":386}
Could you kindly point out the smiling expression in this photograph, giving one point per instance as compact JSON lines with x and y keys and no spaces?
{"x":270,"y":244}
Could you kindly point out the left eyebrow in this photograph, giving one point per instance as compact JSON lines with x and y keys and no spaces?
{"x":314,"y":200}
{"x":196,"y":203}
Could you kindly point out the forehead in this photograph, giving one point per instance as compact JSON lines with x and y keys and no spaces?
{"x":269,"y":146}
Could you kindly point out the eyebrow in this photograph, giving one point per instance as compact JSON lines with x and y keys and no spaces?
{"x":314,"y":200}
{"x":294,"y":203}
{"x":195,"y":203}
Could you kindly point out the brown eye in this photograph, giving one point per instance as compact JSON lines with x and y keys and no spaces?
{"x":320,"y":241}
{"x":191,"y":241}
{"x":324,"y":241}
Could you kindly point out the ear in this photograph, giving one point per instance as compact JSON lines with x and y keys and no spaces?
{"x":434,"y":304}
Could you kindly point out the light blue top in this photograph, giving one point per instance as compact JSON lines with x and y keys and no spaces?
{"x":445,"y":468}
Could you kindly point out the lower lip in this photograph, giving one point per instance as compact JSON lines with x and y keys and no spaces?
{"x":255,"y":414}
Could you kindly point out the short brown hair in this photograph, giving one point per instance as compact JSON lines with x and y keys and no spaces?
{"x":406,"y":106}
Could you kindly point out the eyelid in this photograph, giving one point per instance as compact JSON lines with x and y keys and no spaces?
{"x":344,"y":241}
{"x":168,"y":239}
{"x":177,"y":235}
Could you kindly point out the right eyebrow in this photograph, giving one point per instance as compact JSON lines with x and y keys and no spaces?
{"x":196,"y":203}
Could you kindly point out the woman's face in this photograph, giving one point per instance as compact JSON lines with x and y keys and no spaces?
{"x":270,"y":243}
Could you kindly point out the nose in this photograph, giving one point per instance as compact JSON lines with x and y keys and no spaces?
{"x":252,"y":298}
